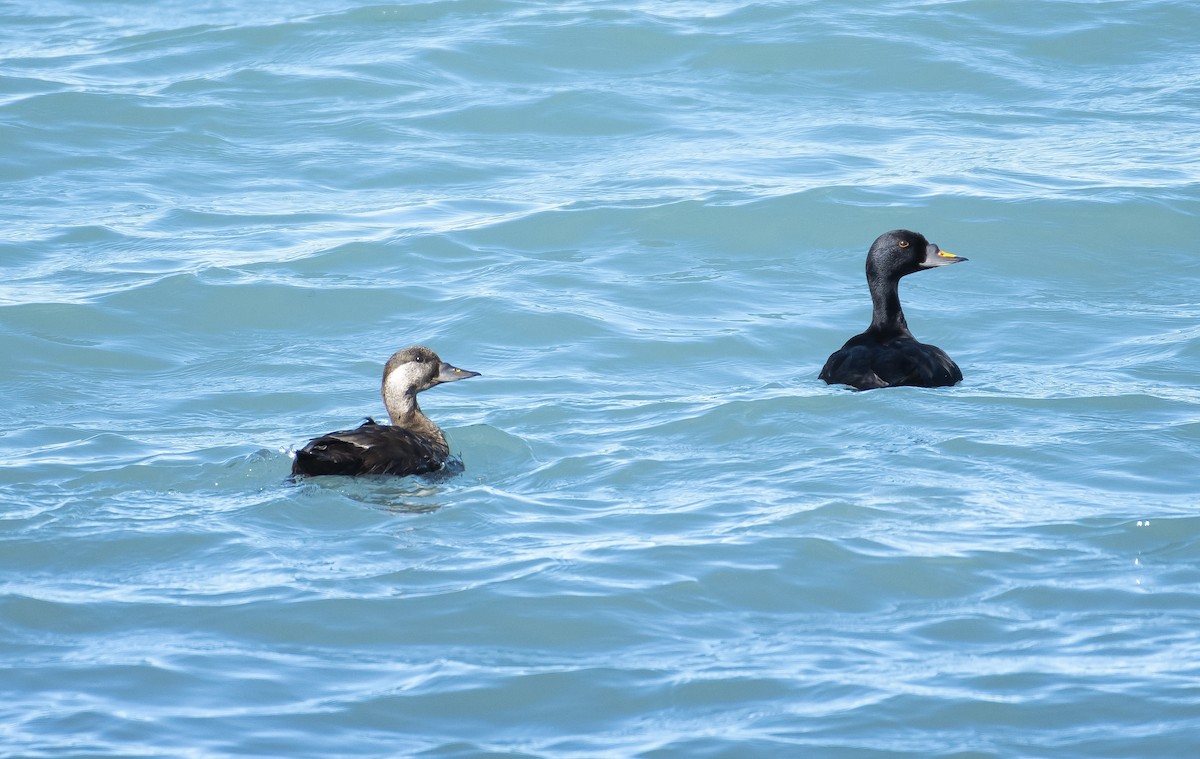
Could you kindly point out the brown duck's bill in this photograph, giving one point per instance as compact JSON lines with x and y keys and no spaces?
{"x":448,"y":373}
{"x":935,"y":256}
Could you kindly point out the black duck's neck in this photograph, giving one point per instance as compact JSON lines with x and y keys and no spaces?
{"x":887,"y":318}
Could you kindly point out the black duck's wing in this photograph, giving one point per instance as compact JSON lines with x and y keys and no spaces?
{"x":852,"y":366}
{"x":923,"y":365}
{"x":370,"y":449}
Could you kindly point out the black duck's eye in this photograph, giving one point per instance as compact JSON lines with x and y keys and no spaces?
{"x":903,"y":243}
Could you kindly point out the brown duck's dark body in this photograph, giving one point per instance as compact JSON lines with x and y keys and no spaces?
{"x":887,"y":354}
{"x":411,"y":444}
{"x":372,"y":448}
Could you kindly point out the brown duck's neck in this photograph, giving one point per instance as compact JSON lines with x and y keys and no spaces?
{"x":406,"y":413}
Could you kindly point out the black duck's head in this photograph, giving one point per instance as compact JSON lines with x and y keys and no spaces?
{"x":900,"y":252}
{"x":417,"y":368}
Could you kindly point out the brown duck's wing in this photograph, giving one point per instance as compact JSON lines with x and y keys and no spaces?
{"x":370,"y":449}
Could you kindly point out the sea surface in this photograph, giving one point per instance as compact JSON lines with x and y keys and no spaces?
{"x":644,"y":223}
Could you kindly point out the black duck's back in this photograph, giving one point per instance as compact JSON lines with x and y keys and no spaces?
{"x":867,"y":363}
{"x":371,"y":449}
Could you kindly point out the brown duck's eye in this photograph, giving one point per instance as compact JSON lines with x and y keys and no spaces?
{"x":903,"y":243}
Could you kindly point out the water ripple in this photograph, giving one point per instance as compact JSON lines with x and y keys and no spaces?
{"x":645,"y":225}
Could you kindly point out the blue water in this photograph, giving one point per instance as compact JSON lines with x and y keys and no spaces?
{"x":644,"y":223}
